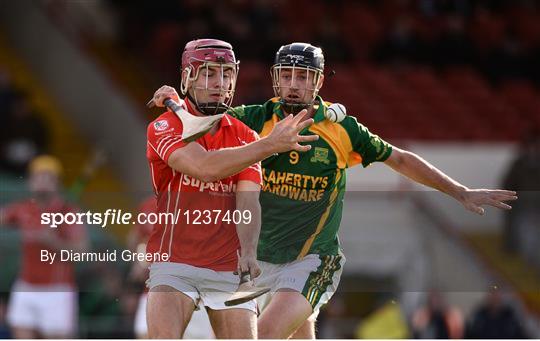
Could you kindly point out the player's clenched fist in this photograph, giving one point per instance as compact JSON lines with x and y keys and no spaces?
{"x":285,"y":135}
{"x":161,"y":94}
{"x":247,"y":263}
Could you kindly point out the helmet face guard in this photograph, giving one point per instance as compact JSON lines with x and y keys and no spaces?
{"x":295,"y":57}
{"x":311,"y":85}
{"x":209,"y":55}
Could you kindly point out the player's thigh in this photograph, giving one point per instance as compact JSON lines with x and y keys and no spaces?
{"x":237,"y":323}
{"x":168,"y":312}
{"x":234,"y":323}
{"x":310,"y":282}
{"x":171,"y":299}
{"x":287,"y":311}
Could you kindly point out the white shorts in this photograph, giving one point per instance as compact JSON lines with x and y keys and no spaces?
{"x":48,"y":309}
{"x":316,"y":277}
{"x":198,"y":328}
{"x":211,"y":288}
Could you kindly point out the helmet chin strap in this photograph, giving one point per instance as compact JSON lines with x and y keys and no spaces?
{"x":210,"y":108}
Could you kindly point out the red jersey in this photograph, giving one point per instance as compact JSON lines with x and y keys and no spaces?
{"x":26,"y":215}
{"x":194,"y":239}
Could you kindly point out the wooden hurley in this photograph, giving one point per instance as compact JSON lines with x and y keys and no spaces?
{"x":246,"y":291}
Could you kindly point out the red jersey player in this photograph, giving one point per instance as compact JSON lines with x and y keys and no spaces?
{"x":212,"y":188}
{"x":43,"y":301}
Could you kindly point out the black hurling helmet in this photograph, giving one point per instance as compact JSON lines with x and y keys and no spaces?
{"x":298,"y":56}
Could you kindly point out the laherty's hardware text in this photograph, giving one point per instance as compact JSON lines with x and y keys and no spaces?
{"x":106,"y":256}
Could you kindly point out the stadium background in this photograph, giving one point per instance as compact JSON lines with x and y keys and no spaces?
{"x":456,"y":81}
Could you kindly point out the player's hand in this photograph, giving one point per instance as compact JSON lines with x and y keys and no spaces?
{"x":474,"y":199}
{"x":161,"y":94}
{"x":285,"y":135}
{"x":248,"y":263}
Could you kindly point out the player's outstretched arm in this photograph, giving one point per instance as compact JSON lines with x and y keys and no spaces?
{"x":421,"y":171}
{"x":247,"y":203}
{"x":210,"y":166}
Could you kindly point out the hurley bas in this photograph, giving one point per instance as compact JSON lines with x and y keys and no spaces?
{"x":106,"y":256}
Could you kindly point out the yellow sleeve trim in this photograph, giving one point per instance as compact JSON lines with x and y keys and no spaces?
{"x":354,"y":159}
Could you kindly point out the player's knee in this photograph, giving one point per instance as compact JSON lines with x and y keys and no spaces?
{"x":163,"y":333}
{"x":163,"y":329}
{"x":268,"y":330}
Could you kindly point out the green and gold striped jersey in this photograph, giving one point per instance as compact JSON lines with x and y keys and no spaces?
{"x":302,"y":195}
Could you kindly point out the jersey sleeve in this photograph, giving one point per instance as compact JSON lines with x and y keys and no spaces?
{"x":366,"y":146}
{"x":164,"y":136}
{"x":252,"y":173}
{"x":251,"y":115}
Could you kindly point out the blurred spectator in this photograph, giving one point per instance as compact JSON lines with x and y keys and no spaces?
{"x":522,"y":228}
{"x":488,"y":35}
{"x":330,"y":39}
{"x":137,"y":239}
{"x":7,"y":93}
{"x":107,"y":303}
{"x":453,"y":47}
{"x":437,"y":320}
{"x":43,"y":302}
{"x":401,"y":43}
{"x":495,"y":319}
{"x":387,"y":322}
{"x":334,"y":310}
{"x":506,"y":61}
{"x":24,"y":135}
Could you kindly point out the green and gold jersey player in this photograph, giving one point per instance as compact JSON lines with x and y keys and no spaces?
{"x":302,"y":195}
